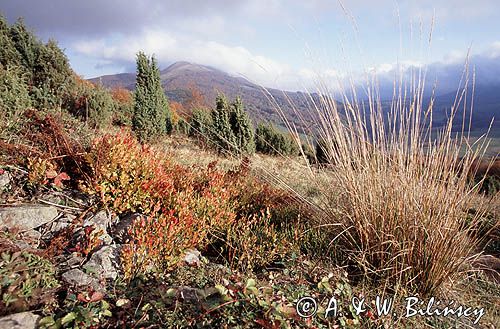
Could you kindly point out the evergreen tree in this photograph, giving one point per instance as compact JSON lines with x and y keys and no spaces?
{"x":9,"y":56}
{"x":26,"y":44}
{"x":221,"y":133}
{"x":92,"y":103}
{"x":52,"y":75}
{"x":44,"y":66}
{"x":326,"y":151}
{"x":200,"y":124}
{"x":269,"y":140}
{"x":151,"y":113}
{"x":232,"y":129}
{"x":242,"y":128}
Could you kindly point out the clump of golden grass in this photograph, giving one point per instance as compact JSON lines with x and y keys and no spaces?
{"x":399,"y":193}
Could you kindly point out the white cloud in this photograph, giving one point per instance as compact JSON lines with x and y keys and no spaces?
{"x":169,"y":48}
{"x":494,"y":50}
{"x":454,"y":57}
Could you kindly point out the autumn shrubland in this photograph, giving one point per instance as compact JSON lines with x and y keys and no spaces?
{"x":370,"y":206}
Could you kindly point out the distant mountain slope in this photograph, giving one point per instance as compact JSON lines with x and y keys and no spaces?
{"x":486,"y":106}
{"x":124,"y":80}
{"x":180,"y":77}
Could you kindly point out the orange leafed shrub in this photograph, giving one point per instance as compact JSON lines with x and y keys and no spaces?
{"x":188,"y":207}
{"x":184,"y":206}
{"x":177,"y":111}
{"x":121,"y":95}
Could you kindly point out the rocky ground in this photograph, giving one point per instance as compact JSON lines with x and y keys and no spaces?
{"x":61,"y":267}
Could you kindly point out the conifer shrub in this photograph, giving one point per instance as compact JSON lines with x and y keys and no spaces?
{"x":124,"y":107}
{"x":9,"y":56}
{"x":221,"y":133}
{"x":14,"y":99}
{"x":242,"y":128}
{"x":45,"y":66}
{"x":231,"y":131}
{"x":52,"y":76}
{"x":200,"y":125}
{"x":322,"y":152}
{"x":269,"y":140}
{"x":152,"y":116}
{"x":182,"y":126}
{"x":91,"y":103}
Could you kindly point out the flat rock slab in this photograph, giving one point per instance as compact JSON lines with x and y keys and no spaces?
{"x":102,"y":220}
{"x":78,"y":278}
{"x":192,"y":257}
{"x":29,"y":239}
{"x":27,"y":217}
{"x":105,"y":262}
{"x":24,"y":320}
{"x":120,"y":231}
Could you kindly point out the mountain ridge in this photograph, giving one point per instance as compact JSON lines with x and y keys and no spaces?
{"x":180,"y":78}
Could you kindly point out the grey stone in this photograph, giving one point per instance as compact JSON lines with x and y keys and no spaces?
{"x":29,"y":239}
{"x":59,"y":225}
{"x":101,"y":220}
{"x":106,"y":238}
{"x":78,"y":278}
{"x":4,"y":181}
{"x":105,"y":262}
{"x":192,"y":257}
{"x":71,"y":261}
{"x":120,"y":229}
{"x":24,"y":320}
{"x":26,"y":217}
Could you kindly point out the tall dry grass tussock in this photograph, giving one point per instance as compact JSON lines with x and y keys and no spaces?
{"x":399,"y":194}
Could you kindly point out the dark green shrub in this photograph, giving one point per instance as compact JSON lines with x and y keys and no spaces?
{"x":490,"y":184}
{"x":93,"y":104}
{"x":14,"y":91}
{"x":52,"y":76}
{"x":182,"y":126}
{"x":14,"y":98}
{"x":242,"y":128}
{"x":9,"y":56}
{"x":231,"y":129}
{"x":124,"y":107}
{"x":325,"y":151}
{"x":269,"y":140}
{"x":152,"y":116}
{"x":44,"y":66}
{"x":200,"y":123}
{"x":222,"y":135}
{"x":26,"y":45}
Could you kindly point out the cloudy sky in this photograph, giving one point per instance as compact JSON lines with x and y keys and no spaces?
{"x":277,"y":43}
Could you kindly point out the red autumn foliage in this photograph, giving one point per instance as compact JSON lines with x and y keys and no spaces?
{"x":47,"y":139}
{"x":121,"y":95}
{"x":183,"y":206}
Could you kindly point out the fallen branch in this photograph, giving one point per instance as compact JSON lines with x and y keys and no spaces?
{"x":60,"y":206}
